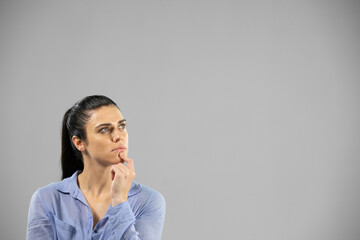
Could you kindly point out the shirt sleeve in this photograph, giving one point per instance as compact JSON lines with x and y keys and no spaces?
{"x":39,"y":224}
{"x":147,"y":226}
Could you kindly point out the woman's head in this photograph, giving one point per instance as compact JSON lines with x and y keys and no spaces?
{"x":74,"y":125}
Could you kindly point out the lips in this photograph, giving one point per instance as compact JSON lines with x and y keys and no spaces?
{"x":119,"y":149}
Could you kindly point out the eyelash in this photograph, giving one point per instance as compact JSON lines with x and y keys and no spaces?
{"x":121,"y":127}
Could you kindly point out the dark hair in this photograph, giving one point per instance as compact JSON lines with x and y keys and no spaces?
{"x":74,"y":125}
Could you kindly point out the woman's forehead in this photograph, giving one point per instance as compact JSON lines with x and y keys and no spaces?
{"x":105,"y":114}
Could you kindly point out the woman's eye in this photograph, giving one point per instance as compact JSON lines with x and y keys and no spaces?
{"x":122,"y":126}
{"x":104,"y":130}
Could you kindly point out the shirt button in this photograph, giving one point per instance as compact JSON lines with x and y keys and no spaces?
{"x":95,"y":231}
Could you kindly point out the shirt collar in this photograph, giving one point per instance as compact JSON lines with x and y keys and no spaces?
{"x":69,"y":185}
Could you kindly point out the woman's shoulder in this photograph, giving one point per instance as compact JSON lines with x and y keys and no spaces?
{"x":147,"y":192}
{"x":148,"y":198}
{"x":43,"y":199}
{"x":52,"y":190}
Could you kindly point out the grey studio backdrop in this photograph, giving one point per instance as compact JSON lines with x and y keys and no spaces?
{"x":243,"y":114}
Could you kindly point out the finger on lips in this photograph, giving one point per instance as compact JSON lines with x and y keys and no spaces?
{"x":129,"y":162}
{"x":121,"y":159}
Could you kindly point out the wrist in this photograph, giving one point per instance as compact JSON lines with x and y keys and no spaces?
{"x":116,"y":201}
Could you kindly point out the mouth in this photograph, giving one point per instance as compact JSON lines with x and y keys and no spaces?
{"x":119,"y":149}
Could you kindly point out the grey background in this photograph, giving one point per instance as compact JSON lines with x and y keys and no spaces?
{"x":243,"y":114}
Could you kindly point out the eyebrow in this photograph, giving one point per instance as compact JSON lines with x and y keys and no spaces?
{"x":109,"y":124}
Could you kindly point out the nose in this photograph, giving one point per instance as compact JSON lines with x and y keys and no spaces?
{"x":117,"y":136}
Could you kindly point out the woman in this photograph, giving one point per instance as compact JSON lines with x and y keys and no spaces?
{"x":97,"y":198}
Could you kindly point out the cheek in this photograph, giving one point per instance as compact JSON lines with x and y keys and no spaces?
{"x":125,"y":136}
{"x":98,"y":143}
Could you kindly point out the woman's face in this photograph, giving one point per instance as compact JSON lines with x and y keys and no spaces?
{"x":106,"y":135}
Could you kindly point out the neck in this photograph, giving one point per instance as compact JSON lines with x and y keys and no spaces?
{"x":95,"y":180}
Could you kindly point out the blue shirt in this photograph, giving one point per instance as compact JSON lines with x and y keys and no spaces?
{"x":60,"y":211}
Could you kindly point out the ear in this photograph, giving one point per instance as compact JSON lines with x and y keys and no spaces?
{"x":79,"y":144}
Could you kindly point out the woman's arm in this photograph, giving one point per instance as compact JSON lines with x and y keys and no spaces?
{"x":148,"y":225}
{"x":39,"y":224}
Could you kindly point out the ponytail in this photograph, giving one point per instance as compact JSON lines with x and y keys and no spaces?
{"x":73,"y":124}
{"x":71,"y":159}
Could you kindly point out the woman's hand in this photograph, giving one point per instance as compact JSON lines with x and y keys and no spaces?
{"x":122,"y":176}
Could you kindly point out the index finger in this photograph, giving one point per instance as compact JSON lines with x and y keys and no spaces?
{"x":129,"y":161}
